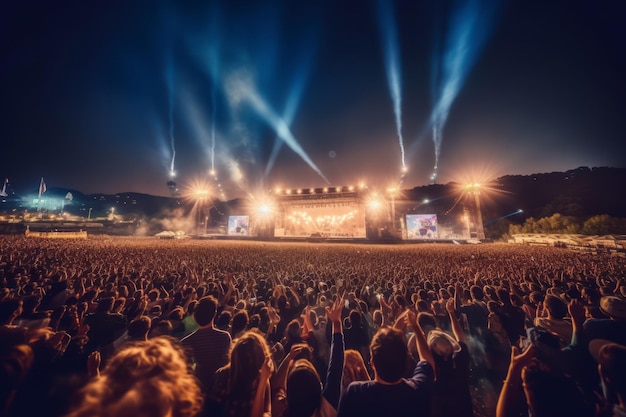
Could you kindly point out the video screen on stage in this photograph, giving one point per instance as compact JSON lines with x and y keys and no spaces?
{"x":238,"y":225}
{"x":421,"y":226}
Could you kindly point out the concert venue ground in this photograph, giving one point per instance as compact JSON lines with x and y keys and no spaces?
{"x":391,"y":270}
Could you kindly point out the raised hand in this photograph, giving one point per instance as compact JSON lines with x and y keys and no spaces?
{"x":334,"y":312}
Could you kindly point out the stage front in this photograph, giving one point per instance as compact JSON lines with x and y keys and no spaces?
{"x":320,"y":213}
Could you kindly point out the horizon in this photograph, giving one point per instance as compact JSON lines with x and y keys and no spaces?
{"x":50,"y":188}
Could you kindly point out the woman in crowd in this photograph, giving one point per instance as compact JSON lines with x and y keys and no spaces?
{"x":299,"y":391}
{"x":241,"y":388}
{"x":147,"y":379}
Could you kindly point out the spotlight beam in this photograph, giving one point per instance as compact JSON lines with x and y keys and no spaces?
{"x":470,"y":25}
{"x":169,"y":76}
{"x":244,"y":91}
{"x":504,"y":217}
{"x":291,"y":108}
{"x":388,"y":28}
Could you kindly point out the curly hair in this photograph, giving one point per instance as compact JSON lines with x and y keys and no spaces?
{"x":148,"y":378}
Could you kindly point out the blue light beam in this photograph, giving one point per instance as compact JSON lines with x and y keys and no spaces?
{"x":389,"y":29}
{"x":169,"y":77}
{"x":504,"y":217}
{"x":291,"y":108}
{"x":470,"y":25}
{"x":241,"y":89}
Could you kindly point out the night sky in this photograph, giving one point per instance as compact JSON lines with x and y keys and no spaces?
{"x":94,"y":94}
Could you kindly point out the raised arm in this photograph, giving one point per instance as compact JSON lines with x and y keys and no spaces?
{"x":422,"y":345}
{"x":512,"y":399}
{"x":262,"y":404}
{"x":332,"y":390}
{"x":459,"y":334}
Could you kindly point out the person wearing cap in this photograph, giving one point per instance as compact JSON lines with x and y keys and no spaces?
{"x":611,"y":358}
{"x":452,"y":369}
{"x":612,"y":328}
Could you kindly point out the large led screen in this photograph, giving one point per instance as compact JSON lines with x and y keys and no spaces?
{"x":238,"y":225}
{"x":421,"y":226}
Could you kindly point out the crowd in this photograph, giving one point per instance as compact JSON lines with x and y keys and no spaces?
{"x":141,"y":327}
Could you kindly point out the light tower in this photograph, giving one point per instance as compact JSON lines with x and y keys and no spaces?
{"x":473,"y":190}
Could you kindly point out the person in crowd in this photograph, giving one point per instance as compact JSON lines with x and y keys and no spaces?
{"x":511,"y":316}
{"x":452,"y":369}
{"x":389,"y":393}
{"x":299,"y":391}
{"x":208,"y":347}
{"x":613,"y":327}
{"x":555,"y":320}
{"x":611,"y":358}
{"x":354,"y":369}
{"x":242,"y":388}
{"x":147,"y":379}
{"x":104,"y":327}
{"x":75,"y":279}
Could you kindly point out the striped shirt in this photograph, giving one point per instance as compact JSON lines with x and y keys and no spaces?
{"x":208,"y":349}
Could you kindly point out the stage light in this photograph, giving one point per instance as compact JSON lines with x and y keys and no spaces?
{"x":351,"y":188}
{"x":325,"y":189}
{"x":299,"y":191}
{"x":426,"y":201}
{"x":375,"y":204}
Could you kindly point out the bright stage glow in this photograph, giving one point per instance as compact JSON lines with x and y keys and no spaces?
{"x":374,"y":205}
{"x":325,"y":222}
{"x":198,"y":190}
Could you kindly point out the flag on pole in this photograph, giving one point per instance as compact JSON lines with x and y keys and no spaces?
{"x":42,"y":187}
